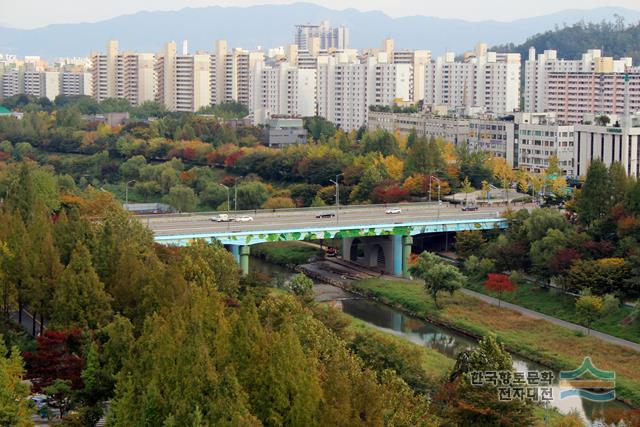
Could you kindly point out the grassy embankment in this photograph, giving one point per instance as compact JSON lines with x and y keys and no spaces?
{"x":415,"y":363}
{"x":286,"y":253}
{"x":538,"y":340}
{"x":558,"y":304}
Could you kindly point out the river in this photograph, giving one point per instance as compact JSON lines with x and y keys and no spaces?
{"x":439,"y":338}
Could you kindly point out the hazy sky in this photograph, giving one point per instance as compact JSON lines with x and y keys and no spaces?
{"x":35,"y":13}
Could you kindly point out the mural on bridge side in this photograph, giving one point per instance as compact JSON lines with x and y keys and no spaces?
{"x":255,"y":237}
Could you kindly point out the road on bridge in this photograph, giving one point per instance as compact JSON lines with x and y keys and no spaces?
{"x":168,"y":225}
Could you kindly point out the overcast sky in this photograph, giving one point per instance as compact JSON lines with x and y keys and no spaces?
{"x":36,"y":13}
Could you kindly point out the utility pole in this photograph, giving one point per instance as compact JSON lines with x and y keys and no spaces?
{"x":337,"y":184}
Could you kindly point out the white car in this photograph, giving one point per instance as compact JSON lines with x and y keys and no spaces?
{"x":221,"y":218}
{"x":393,"y":211}
{"x":244,"y":218}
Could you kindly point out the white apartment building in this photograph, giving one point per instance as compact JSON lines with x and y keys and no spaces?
{"x":417,"y":61}
{"x":184,"y":81}
{"x":573,"y":88}
{"x":42,"y":84}
{"x":328,"y":37}
{"x":12,"y":83}
{"x":488,"y":80}
{"x":129,"y":76}
{"x":539,"y":136}
{"x":282,"y":90}
{"x":73,"y":83}
{"x":609,"y":144}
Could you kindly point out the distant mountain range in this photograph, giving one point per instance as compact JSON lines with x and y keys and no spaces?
{"x":272,"y":25}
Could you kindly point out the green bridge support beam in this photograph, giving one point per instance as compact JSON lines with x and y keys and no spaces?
{"x":407,"y":241}
{"x":244,"y":259}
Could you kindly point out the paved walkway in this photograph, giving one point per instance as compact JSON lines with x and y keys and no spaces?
{"x":537,"y":315}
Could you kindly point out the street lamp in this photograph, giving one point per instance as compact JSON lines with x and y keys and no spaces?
{"x":228,"y":203}
{"x":235,"y":193}
{"x":337,"y":184}
{"x":126,"y":193}
{"x":431,"y":177}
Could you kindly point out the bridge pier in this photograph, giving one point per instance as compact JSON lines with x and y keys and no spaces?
{"x":398,"y":263}
{"x":407,"y":241}
{"x":244,"y":259}
{"x":235,"y":251}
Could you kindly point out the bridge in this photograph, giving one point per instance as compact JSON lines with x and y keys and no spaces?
{"x":369,"y":234}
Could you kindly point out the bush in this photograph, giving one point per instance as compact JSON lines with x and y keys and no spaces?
{"x":286,"y":253}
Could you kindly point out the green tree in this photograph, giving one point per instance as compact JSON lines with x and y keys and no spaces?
{"x":467,"y":189}
{"x":469,"y":243}
{"x":213,"y":195}
{"x":424,"y":157}
{"x":182,"y":198}
{"x":542,"y":220}
{"x":593,"y":201}
{"x":252,"y":195}
{"x":80,"y":299}
{"x":14,"y":409}
{"x":589,"y":307}
{"x":300,"y":285}
{"x":131,"y":168}
{"x":619,"y":183}
{"x":438,"y":276}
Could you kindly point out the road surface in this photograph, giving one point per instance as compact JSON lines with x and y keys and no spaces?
{"x":170,"y":225}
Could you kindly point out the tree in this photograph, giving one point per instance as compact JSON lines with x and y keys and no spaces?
{"x":80,"y":299}
{"x":438,"y":276}
{"x":424,"y":157}
{"x":213,"y":195}
{"x":467,"y":189}
{"x":182,"y":198}
{"x":593,"y":201}
{"x":588,"y":307}
{"x":469,"y":243}
{"x":279,"y":203}
{"x":301,"y":285}
{"x":14,"y":410}
{"x":619,"y":183}
{"x":58,"y":356}
{"x":601,"y":276}
{"x":499,"y":283}
{"x":542,"y":220}
{"x":252,"y":195}
{"x":503,"y":173}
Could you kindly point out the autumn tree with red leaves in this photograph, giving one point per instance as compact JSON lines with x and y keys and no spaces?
{"x":58,"y":356}
{"x":499,"y":283}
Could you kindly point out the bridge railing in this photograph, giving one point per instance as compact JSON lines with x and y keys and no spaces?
{"x":329,"y":208}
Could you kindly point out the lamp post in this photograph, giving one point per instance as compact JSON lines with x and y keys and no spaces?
{"x":228,"y":202}
{"x":431,"y":177}
{"x":235,"y":193}
{"x":126,"y":193}
{"x":337,"y":184}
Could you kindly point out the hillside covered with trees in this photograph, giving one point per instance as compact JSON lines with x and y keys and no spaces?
{"x":616,"y":39}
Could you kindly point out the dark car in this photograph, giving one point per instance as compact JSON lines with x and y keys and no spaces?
{"x":332,"y":252}
{"x":470,"y":208}
{"x":326,"y":215}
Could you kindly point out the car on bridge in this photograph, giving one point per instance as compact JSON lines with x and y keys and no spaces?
{"x":244,"y":218}
{"x":328,"y":214}
{"x":393,"y":211}
{"x":221,"y":218}
{"x":467,"y":208}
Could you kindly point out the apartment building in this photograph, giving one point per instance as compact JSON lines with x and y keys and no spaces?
{"x":483,"y":79}
{"x":184,"y":80}
{"x":539,"y":136}
{"x":620,"y":143}
{"x":328,"y":37}
{"x":74,"y":83}
{"x":280,"y":89}
{"x":127,"y":75}
{"x":572,"y":89}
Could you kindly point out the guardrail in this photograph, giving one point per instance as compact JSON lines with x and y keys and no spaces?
{"x":307,"y":209}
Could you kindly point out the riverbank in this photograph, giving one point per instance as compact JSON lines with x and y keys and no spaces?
{"x":423,"y":368}
{"x":535,"y":339}
{"x":554,"y":302}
